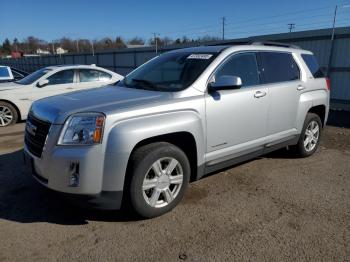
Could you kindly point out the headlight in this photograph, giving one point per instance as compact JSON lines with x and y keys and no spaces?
{"x":83,"y":129}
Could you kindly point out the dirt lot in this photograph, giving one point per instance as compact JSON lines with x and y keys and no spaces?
{"x":275,"y":208}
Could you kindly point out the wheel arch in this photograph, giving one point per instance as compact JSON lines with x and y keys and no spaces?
{"x":319,"y":110}
{"x":16,"y":107}
{"x":183,"y":140}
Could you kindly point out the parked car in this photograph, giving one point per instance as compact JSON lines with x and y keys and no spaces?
{"x":178,"y":117}
{"x":17,"y":97}
{"x":10,"y":74}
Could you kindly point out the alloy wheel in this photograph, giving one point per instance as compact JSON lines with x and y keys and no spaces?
{"x":5,"y":116}
{"x":162,"y":182}
{"x":311,"y":137}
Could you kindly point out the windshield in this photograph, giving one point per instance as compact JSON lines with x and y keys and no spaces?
{"x":30,"y":79}
{"x":169,"y":72}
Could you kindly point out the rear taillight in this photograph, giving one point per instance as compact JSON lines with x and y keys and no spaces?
{"x":328,"y":81}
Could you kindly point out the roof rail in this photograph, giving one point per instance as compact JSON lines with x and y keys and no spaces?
{"x":271,"y":43}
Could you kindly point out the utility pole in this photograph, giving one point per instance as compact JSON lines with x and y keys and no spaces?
{"x":53,"y":48}
{"x":77,"y":46}
{"x":92,"y":48}
{"x":156,"y":41}
{"x":223,"y":27}
{"x":291,"y":26}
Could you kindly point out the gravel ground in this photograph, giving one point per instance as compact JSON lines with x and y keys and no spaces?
{"x":274,"y":208}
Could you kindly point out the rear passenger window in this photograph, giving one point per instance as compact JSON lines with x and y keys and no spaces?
{"x":104,"y":76}
{"x":313,"y":66}
{"x":278,"y":67}
{"x":242,"y":65}
{"x":89,"y":75}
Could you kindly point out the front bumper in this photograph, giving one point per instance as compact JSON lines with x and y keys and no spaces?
{"x":55,"y":173}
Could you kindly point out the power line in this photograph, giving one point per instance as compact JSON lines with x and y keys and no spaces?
{"x":247,"y":20}
{"x":249,"y":24}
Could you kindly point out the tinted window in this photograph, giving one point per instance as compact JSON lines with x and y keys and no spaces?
{"x":104,"y":76}
{"x":278,"y":67}
{"x":4,"y":72}
{"x":61,"y":77}
{"x":16,"y":75}
{"x":33,"y":77}
{"x":87,"y":75}
{"x":169,"y":72}
{"x":313,"y":66}
{"x":242,"y":65}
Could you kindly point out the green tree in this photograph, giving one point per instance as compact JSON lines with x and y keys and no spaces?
{"x":6,"y":47}
{"x":136,"y":41}
{"x":119,"y":42}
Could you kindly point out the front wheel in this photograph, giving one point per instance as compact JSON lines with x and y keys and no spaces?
{"x":310,"y":136}
{"x":160,"y":174}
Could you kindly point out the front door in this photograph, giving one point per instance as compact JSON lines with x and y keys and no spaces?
{"x":237,"y":118}
{"x":59,"y":83}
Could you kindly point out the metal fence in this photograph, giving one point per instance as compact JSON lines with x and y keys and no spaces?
{"x":125,"y":60}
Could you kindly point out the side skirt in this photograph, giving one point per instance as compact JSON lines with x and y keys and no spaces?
{"x":224,"y":163}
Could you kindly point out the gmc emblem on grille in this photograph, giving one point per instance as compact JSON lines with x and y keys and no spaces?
{"x":30,"y":128}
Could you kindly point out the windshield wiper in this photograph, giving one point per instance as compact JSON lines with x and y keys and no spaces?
{"x":147,"y":83}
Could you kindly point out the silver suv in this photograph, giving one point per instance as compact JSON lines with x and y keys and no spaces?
{"x":178,"y":117}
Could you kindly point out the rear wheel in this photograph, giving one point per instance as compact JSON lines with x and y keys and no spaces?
{"x":8,"y":114}
{"x":159,"y":177}
{"x":310,"y":136}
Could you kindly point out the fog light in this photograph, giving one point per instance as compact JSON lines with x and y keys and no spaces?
{"x":74,"y":177}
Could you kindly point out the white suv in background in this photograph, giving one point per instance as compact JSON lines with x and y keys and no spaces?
{"x":17,"y":97}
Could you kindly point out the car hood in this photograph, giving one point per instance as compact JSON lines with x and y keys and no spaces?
{"x":9,"y":86}
{"x":107,"y":99}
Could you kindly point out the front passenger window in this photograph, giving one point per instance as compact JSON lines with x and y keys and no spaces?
{"x":61,"y":77}
{"x":242,"y":65}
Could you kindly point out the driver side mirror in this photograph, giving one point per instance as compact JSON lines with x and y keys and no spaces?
{"x":42,"y":83}
{"x":226,"y":82}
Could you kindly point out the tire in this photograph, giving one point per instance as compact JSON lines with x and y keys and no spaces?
{"x":152,"y":191}
{"x":304,"y":148}
{"x":8,"y":114}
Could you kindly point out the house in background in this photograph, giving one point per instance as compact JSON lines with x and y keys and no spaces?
{"x":60,"y":51}
{"x":42,"y":52}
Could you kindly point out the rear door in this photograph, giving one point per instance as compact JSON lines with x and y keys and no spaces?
{"x":281,"y":75}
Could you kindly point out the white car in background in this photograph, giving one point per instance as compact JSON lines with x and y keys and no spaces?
{"x":17,"y":97}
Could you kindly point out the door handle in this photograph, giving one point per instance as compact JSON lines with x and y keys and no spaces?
{"x":259,"y":94}
{"x":300,"y":87}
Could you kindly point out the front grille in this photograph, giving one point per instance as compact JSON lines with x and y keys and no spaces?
{"x":36,"y":137}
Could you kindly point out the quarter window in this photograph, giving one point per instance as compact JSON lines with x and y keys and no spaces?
{"x":61,"y":77}
{"x":313,"y":66}
{"x":278,"y":67}
{"x":242,"y":65}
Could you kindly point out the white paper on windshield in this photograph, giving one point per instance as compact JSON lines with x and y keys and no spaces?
{"x":199,"y":56}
